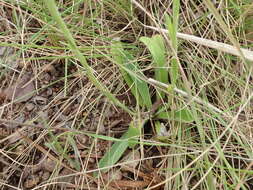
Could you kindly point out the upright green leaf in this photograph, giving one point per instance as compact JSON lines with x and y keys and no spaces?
{"x":157,"y":50}
{"x":172,"y":26}
{"x":172,"y":31}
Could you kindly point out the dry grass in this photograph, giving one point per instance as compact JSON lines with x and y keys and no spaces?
{"x":54,"y":136}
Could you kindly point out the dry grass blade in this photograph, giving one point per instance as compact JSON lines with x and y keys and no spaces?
{"x":231,"y":126}
{"x":79,"y":106}
{"x":248,"y":54}
{"x":184,"y":94}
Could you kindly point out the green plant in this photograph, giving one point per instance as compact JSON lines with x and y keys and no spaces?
{"x":137,"y":82}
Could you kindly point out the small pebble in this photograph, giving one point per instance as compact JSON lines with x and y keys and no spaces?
{"x":49,"y":91}
{"x":49,"y":68}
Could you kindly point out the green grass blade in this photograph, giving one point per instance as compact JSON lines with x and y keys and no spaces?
{"x":140,"y":85}
{"x":157,"y":49}
{"x":175,"y":9}
{"x":57,"y":17}
{"x":172,"y":31}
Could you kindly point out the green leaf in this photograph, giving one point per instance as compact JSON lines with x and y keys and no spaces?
{"x":183,"y":115}
{"x":174,"y":71}
{"x":176,"y":6}
{"x":118,"y":148}
{"x":131,"y":74}
{"x":75,"y":161}
{"x":172,"y":31}
{"x":172,"y":26}
{"x":157,"y":50}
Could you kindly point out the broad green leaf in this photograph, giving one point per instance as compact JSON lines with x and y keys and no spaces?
{"x":183,"y":115}
{"x":118,"y":148}
{"x":130,"y":71}
{"x":142,"y":86}
{"x":157,"y":50}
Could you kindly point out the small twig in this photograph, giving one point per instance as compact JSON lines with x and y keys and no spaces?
{"x":186,"y":95}
{"x":248,"y":54}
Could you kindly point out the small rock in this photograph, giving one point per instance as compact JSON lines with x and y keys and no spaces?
{"x":29,"y":106}
{"x":99,"y":154}
{"x":92,"y":160}
{"x":49,"y":91}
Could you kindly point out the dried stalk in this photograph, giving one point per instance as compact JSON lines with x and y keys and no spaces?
{"x":186,"y":95}
{"x":248,"y":54}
